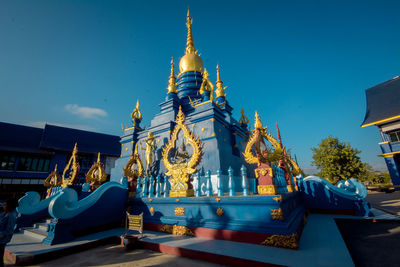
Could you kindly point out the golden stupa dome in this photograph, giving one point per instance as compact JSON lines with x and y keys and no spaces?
{"x":191,"y":61}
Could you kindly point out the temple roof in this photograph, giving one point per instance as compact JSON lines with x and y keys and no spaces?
{"x":61,"y":138}
{"x":383,"y":102}
{"x":26,"y":139}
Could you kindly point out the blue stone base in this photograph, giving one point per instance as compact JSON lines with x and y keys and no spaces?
{"x":247,"y":219}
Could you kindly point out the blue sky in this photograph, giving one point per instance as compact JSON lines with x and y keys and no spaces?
{"x":303,"y":64}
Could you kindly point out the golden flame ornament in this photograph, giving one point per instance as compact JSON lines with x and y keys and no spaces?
{"x":96,"y":174}
{"x":52,"y":180}
{"x":180,"y":171}
{"x":134,"y":167}
{"x":71,"y":170}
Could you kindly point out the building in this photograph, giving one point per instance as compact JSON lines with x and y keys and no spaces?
{"x":28,"y":155}
{"x":383,"y":111}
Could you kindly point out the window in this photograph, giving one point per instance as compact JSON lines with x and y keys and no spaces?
{"x":7,"y":162}
{"x":394,"y":136}
{"x":33,"y":164}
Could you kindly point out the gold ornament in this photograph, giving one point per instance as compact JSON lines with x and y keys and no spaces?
{"x":278,"y":199}
{"x":71,"y":170}
{"x":134,"y":167}
{"x":277,"y":214}
{"x":206,"y":85}
{"x":96,"y":174}
{"x":172,"y":80}
{"x":149,"y":151}
{"x":151,"y":210}
{"x":191,"y":61}
{"x":220,"y":91}
{"x":52,"y":180}
{"x":257,"y":137}
{"x":180,"y":172}
{"x":283,"y":241}
{"x":176,"y":230}
{"x":220,"y":212}
{"x":179,"y":211}
{"x":243,"y":119}
{"x":267,"y":189}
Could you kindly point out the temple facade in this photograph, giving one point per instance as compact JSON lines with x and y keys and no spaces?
{"x":383,"y":111}
{"x":208,"y":115}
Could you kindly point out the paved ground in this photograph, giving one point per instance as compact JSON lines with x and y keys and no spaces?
{"x":389,"y":202}
{"x":372,"y":243}
{"x":116,"y":255}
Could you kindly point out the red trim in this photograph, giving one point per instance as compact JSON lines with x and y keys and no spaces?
{"x":204,"y":256}
{"x":237,"y":236}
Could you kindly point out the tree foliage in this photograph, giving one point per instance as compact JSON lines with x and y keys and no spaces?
{"x":337,"y":160}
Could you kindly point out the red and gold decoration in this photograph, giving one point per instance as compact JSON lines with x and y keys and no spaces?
{"x":96,"y":174}
{"x":264,"y":157}
{"x":133,"y":170}
{"x":182,"y":165}
{"x":52,"y":180}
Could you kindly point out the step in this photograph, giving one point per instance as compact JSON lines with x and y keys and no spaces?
{"x":41,"y":226}
{"x":35,"y":233}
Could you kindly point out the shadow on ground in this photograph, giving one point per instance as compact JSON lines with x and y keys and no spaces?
{"x":372,"y":242}
{"x":116,"y":255}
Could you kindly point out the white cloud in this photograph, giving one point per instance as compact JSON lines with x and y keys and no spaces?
{"x":41,"y":124}
{"x":85,"y":112}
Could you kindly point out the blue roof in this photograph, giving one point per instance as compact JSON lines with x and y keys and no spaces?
{"x":64,"y":139}
{"x":382,"y":101}
{"x":20,"y":138}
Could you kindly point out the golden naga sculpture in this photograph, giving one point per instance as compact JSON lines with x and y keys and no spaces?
{"x":243,"y":119}
{"x":264,"y":158}
{"x":52,"y":180}
{"x":183,"y":166}
{"x":172,"y":80}
{"x":133,"y":170}
{"x":71,"y":170}
{"x":220,"y":91}
{"x":96,"y":174}
{"x":191,"y":61}
{"x":206,"y":85}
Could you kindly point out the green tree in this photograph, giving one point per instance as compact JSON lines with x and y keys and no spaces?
{"x":337,"y":160}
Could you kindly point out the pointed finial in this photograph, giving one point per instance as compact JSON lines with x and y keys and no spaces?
{"x":180,"y":118}
{"x":243,"y":119}
{"x":136,"y":114}
{"x":98,"y":157}
{"x":172,"y":80}
{"x":220,"y":91}
{"x":189,"y":42}
{"x":75,"y":149}
{"x":279,"y":134}
{"x":257,"y":123}
{"x":55,"y":168}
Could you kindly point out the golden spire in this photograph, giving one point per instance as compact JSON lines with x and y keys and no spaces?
{"x":172,"y":80}
{"x":243,"y":119}
{"x":98,"y":157}
{"x":220,"y":91}
{"x":257,"y":123}
{"x":189,"y":42}
{"x":190,"y":61}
